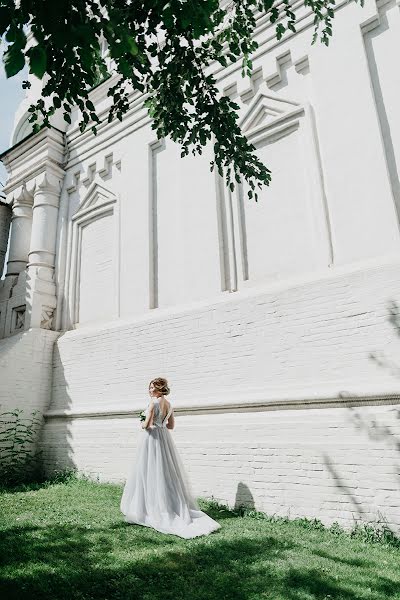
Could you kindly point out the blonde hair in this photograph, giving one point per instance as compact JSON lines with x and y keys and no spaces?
{"x":160,"y":385}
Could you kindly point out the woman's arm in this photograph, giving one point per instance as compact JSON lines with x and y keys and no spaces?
{"x":149,"y":419}
{"x":171,"y":421}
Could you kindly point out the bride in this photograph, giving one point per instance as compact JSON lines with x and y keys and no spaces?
{"x":157,"y":492}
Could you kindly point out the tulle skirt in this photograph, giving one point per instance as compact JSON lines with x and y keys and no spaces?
{"x":157,"y":493}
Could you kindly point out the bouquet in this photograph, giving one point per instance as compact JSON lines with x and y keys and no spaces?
{"x":142,"y":415}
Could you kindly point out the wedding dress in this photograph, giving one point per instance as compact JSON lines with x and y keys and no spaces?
{"x":157,"y":493}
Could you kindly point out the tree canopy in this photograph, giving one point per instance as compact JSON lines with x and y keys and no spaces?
{"x":165,"y":50}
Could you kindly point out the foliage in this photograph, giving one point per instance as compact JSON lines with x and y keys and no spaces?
{"x":19,"y":462}
{"x":372,"y":533}
{"x":166,"y":50}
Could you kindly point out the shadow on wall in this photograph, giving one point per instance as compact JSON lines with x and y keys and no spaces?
{"x":243,"y":497}
{"x":379,"y":358}
{"x":383,"y":436}
{"x":56,"y":439}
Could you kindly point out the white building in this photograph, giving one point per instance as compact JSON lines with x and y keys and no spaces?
{"x":277,"y":322}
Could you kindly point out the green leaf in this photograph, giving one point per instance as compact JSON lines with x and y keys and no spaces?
{"x":133,"y":49}
{"x":14,"y":60}
{"x":5,"y":18}
{"x":37,"y":61}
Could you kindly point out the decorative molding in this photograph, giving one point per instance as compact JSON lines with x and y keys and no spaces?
{"x":42,"y":152}
{"x":237,"y":407}
{"x":18,"y":318}
{"x":96,"y":198}
{"x":380,"y":19}
{"x":14,"y":300}
{"x":3,"y":310}
{"x":269,"y":40}
{"x":73,"y":183}
{"x":270,"y":118}
{"x":283,"y":62}
{"x":153,"y":149}
{"x":69,"y":228}
{"x":266,"y":111}
{"x":256,"y":80}
{"x":98,"y":202}
{"x":223,"y":244}
{"x":242,"y":231}
{"x":47,"y":317}
{"x":302,"y":65}
{"x":105,"y":172}
{"x":90,"y":174}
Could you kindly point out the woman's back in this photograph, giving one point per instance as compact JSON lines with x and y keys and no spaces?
{"x":162,"y":412}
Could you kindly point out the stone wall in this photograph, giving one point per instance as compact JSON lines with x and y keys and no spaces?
{"x":26,"y":372}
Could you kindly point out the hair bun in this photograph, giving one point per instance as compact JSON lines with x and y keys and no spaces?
{"x":161,"y":385}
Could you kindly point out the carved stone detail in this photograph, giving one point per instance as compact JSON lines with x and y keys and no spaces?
{"x":47,"y":317}
{"x":18,"y":318}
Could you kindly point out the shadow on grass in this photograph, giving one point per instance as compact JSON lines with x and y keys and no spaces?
{"x":82,"y":563}
{"x":42,"y":482}
{"x":352,"y":562}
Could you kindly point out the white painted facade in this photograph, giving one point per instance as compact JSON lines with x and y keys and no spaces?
{"x":277,"y":322}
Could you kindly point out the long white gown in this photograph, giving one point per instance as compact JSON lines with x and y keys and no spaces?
{"x":157,"y":492}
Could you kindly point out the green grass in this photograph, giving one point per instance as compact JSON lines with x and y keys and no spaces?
{"x":68,"y":541}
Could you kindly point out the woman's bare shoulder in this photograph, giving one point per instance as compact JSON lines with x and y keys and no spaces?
{"x":167,"y":405}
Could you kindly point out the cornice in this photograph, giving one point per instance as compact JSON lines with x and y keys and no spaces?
{"x":81,"y":143}
{"x":41,"y":152}
{"x":50,"y":134}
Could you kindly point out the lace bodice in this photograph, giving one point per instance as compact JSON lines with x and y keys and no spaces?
{"x":158,"y":421}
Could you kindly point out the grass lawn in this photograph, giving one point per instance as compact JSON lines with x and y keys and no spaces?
{"x":69,"y":541}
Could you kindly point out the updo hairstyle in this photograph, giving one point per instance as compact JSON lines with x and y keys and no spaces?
{"x":160,"y":385}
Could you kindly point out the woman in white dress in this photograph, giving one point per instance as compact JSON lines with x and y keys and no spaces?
{"x":157,"y":492}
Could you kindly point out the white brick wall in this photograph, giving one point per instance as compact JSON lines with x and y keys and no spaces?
{"x":25,"y":371}
{"x":338,"y":464}
{"x":311,"y":340}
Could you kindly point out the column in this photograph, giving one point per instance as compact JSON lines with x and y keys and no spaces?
{"x":41,"y":287}
{"x":21,"y":224}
